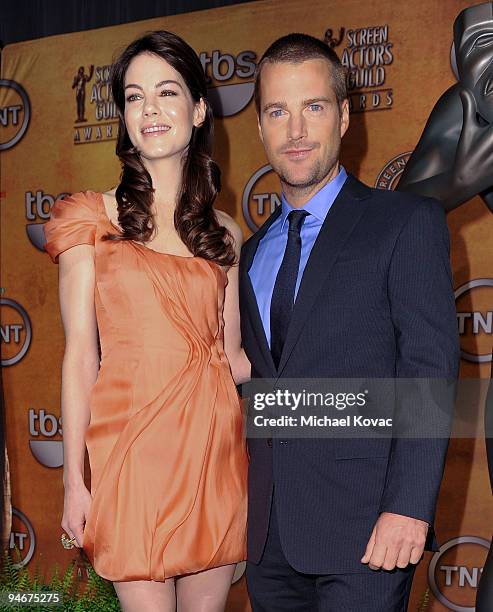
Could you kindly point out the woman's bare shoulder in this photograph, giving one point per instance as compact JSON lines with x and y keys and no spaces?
{"x":230,"y":224}
{"x":110,"y":204}
{"x":110,"y":193}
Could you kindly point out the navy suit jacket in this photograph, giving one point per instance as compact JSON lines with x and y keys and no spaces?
{"x":376,"y":300}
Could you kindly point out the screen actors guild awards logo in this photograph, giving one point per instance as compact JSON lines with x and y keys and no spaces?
{"x":97,"y":102}
{"x":367,"y":54}
{"x":390,"y":173}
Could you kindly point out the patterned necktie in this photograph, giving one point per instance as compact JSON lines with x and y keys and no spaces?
{"x":282,"y":302}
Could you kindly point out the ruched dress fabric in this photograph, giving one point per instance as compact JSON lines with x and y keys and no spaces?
{"x":165,"y":440}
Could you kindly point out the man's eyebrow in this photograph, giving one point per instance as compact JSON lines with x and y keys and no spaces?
{"x":160,"y":84}
{"x":283,"y":105}
{"x":314,"y":101}
{"x":267,"y":107}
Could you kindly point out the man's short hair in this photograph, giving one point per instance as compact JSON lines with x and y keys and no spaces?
{"x":297,"y":48}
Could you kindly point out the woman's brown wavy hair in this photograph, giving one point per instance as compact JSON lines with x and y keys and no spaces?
{"x":194,"y":217}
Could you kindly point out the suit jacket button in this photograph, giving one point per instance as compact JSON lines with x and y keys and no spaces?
{"x":269,"y":442}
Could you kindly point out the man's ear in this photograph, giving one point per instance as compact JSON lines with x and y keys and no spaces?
{"x":344,"y":114}
{"x":199,"y":113}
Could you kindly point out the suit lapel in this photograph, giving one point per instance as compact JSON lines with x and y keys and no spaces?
{"x":248,"y":254}
{"x":340,"y":221}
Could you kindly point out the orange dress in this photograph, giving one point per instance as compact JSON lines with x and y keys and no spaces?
{"x":165,"y":440}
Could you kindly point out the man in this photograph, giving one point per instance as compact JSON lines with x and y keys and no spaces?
{"x":338,"y":524}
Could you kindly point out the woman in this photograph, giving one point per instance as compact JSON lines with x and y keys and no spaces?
{"x":152,"y":266}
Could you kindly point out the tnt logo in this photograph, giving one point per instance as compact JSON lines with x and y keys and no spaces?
{"x":15,"y":330}
{"x":260,"y":197}
{"x":475,"y":319}
{"x":22,"y":537}
{"x":38,"y":207}
{"x":15,"y":113}
{"x":455,"y":570}
{"x":44,"y":425}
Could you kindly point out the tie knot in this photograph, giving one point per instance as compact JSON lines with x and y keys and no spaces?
{"x":296,"y":219}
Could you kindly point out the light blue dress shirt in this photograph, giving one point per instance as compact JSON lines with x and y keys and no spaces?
{"x":270,"y":251}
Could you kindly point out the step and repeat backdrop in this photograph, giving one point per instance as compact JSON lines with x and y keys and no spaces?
{"x":58,"y":130}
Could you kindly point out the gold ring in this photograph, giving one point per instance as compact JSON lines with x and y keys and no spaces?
{"x":66,"y":543}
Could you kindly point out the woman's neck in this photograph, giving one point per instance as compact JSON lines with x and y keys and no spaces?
{"x":166,"y":174}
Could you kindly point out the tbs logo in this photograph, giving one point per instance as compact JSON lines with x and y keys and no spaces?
{"x":38,"y":207}
{"x":46,"y":426}
{"x":228,"y":99}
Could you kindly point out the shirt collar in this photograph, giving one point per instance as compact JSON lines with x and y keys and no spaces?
{"x":318,"y":206}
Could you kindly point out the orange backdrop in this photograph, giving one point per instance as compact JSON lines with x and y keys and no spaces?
{"x":399,"y":56}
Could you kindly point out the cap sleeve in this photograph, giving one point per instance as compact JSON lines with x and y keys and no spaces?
{"x":73,"y":221}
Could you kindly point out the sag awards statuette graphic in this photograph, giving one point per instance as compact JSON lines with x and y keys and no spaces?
{"x":452,"y":160}
{"x":15,"y":113}
{"x":16,"y":332}
{"x":79,"y":84}
{"x":455,"y":570}
{"x":367,"y":55}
